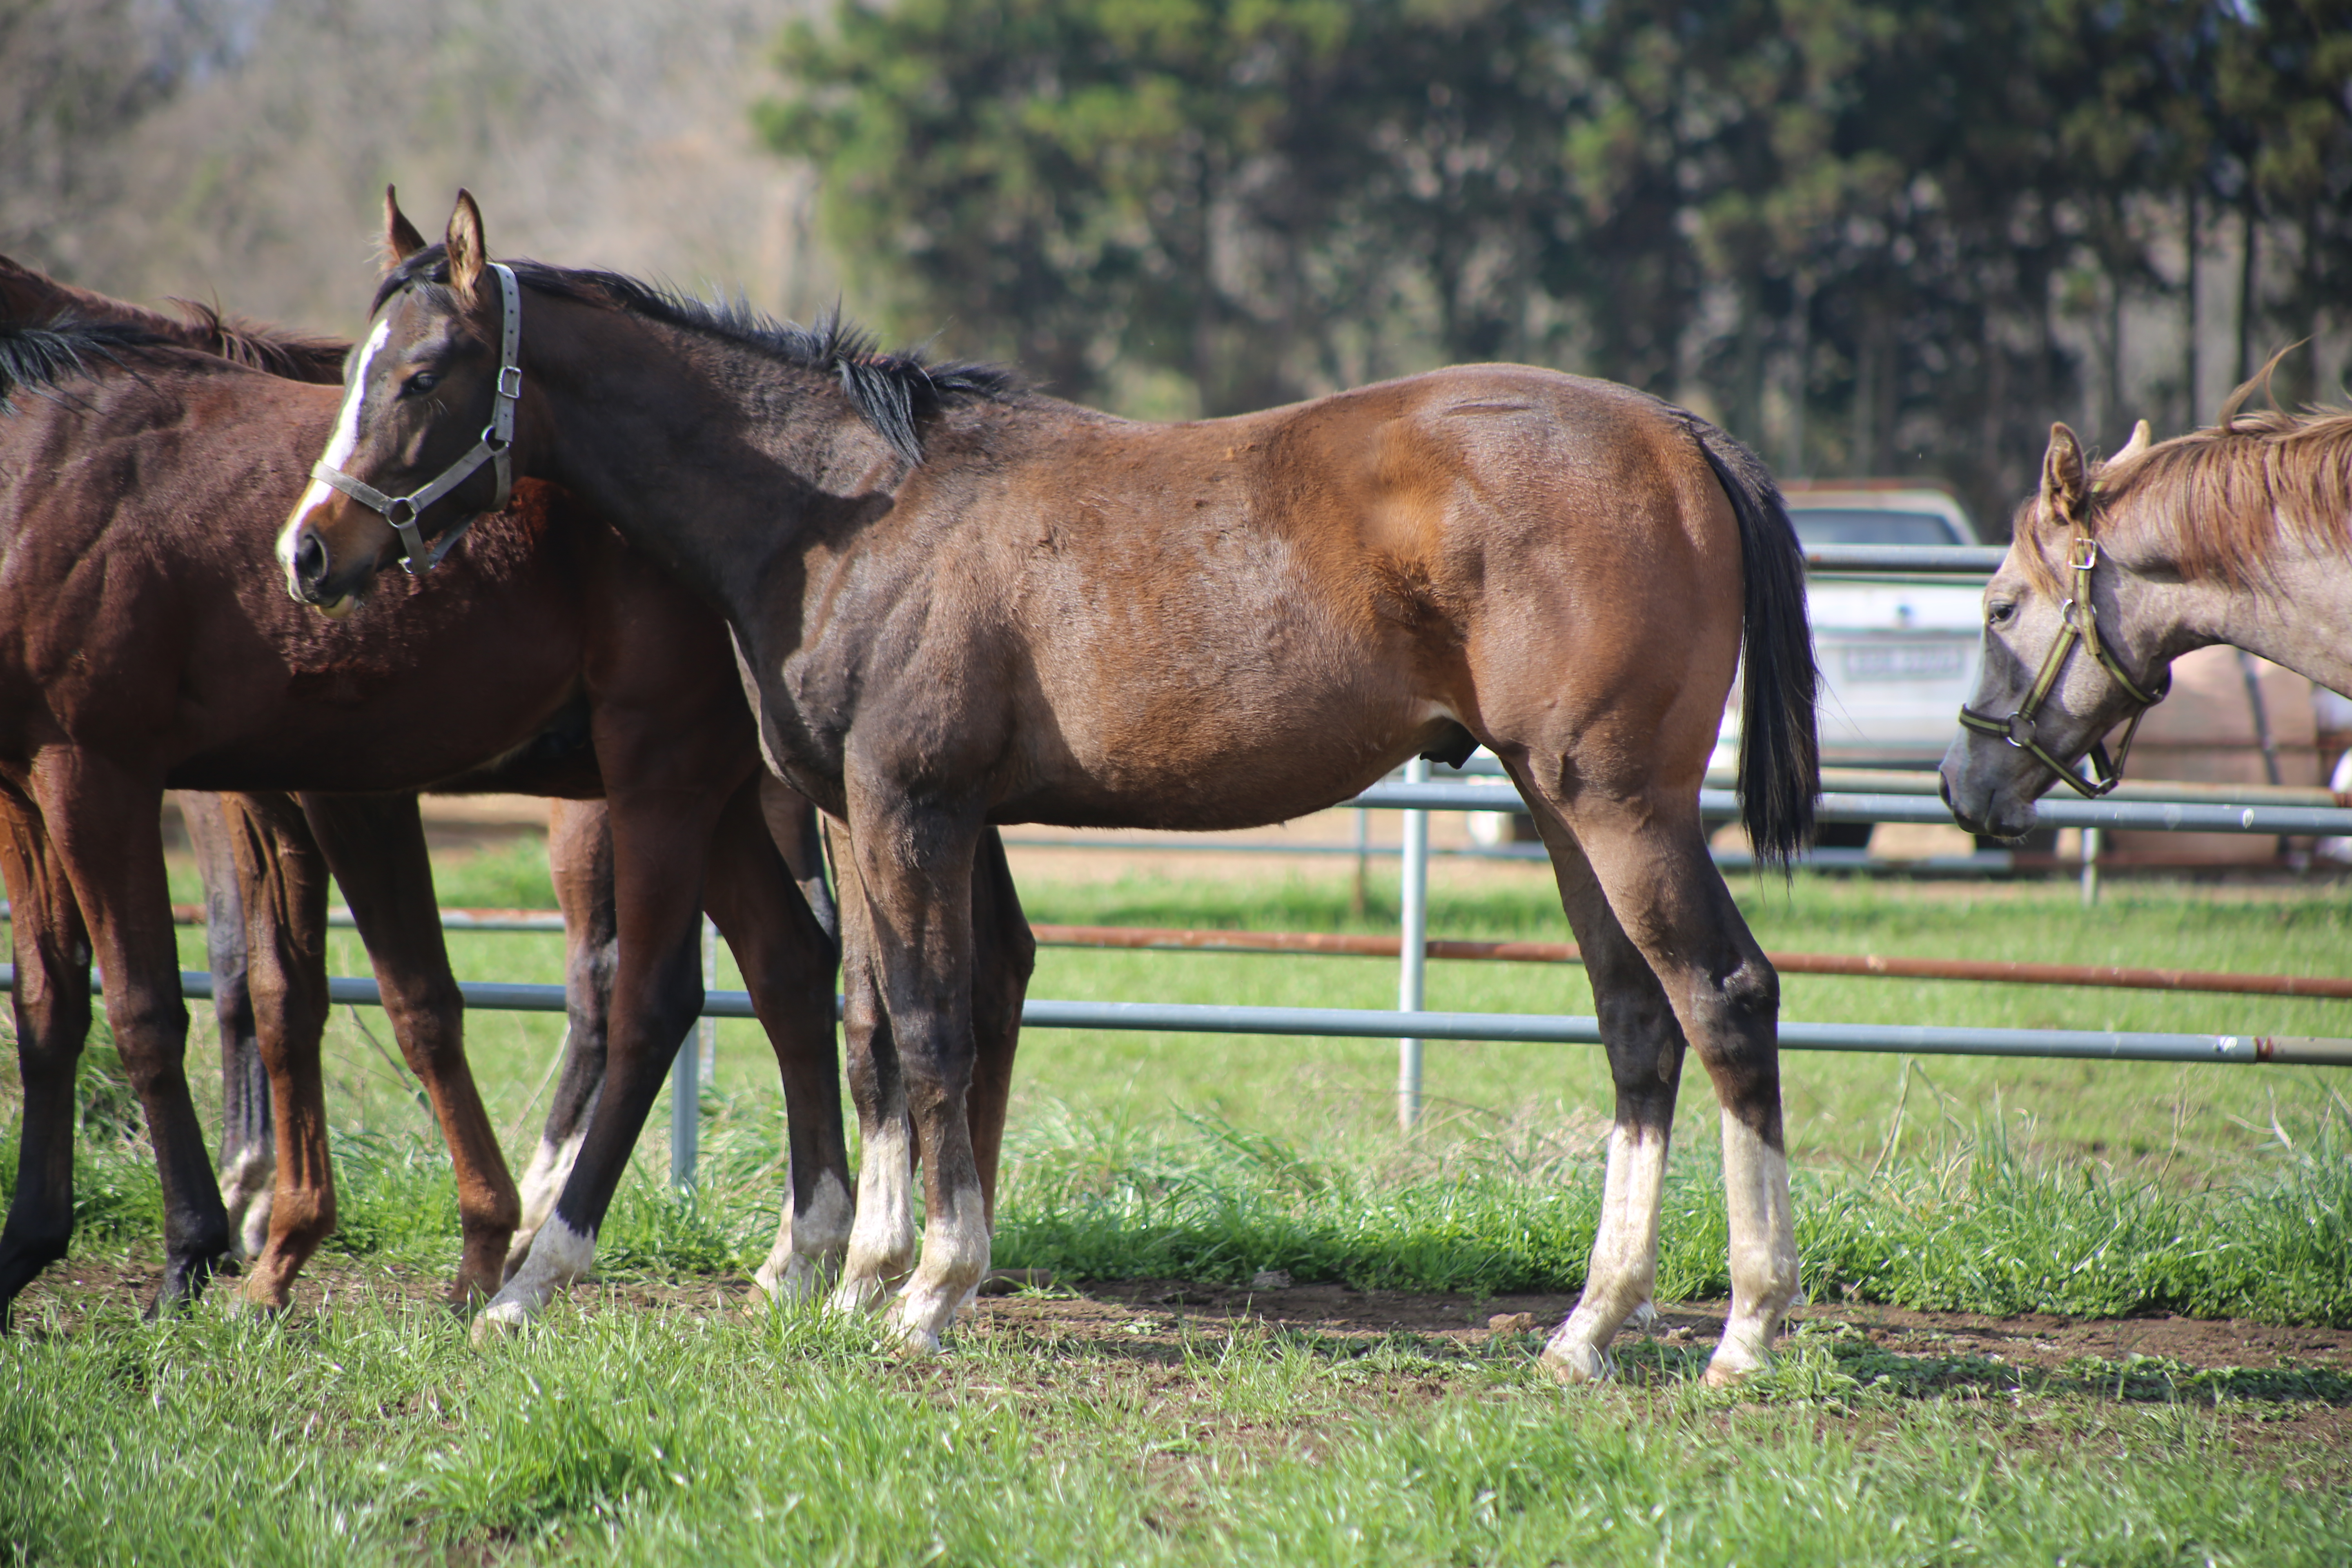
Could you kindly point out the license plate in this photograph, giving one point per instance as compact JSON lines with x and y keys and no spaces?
{"x":1904,"y":661}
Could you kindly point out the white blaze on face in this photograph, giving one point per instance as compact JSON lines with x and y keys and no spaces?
{"x":339,"y":448}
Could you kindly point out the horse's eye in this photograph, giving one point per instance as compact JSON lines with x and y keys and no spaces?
{"x":422,"y":381}
{"x":1999,"y":615}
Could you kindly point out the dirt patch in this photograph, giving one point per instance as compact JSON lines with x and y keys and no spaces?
{"x":2034,"y":1339}
{"x":1162,"y":1313}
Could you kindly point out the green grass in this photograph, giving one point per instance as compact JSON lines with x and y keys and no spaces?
{"x":375,"y":1433}
{"x":371,"y":1431}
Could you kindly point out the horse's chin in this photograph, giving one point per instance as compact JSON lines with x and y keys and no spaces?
{"x":336,"y":609}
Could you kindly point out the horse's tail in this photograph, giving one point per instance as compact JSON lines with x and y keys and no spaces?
{"x":1779,"y":744}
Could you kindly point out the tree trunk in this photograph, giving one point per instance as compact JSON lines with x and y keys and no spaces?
{"x":2189,"y":368}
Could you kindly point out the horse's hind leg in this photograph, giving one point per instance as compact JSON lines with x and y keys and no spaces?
{"x":52,"y":1009}
{"x":1645,"y":1056}
{"x":248,"y":1154}
{"x":1004,"y":955}
{"x":788,"y":961}
{"x":282,"y":887}
{"x":580,"y":863}
{"x":105,"y":823}
{"x":376,"y":845}
{"x":1650,"y":856}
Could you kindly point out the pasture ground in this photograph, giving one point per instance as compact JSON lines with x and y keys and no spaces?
{"x":2080,"y":1312}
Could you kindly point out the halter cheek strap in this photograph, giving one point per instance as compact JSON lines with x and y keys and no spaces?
{"x":494,"y":448}
{"x":2079,"y":623}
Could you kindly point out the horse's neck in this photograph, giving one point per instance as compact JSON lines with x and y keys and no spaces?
{"x":714,"y":499}
{"x":2298,"y":615}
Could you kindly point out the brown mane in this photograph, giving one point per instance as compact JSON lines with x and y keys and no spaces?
{"x":2220,"y":500}
{"x":28,"y":297}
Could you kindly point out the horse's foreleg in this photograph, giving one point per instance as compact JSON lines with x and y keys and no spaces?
{"x":882,"y":1234}
{"x":580,"y":862}
{"x":914,"y":866}
{"x":788,"y":963}
{"x":249,"y":1153}
{"x":1645,"y":1051}
{"x":661,"y":839}
{"x":1651,"y":859}
{"x":52,"y":1009}
{"x":376,"y":845}
{"x":282,"y":886}
{"x":106,"y":826}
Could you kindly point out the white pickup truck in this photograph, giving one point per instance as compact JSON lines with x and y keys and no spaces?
{"x":1897,"y":654}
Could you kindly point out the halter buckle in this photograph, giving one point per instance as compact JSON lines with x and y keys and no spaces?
{"x":510,"y":380}
{"x":2084,"y":554}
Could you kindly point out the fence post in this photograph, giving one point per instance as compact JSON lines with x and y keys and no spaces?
{"x":706,"y":1028}
{"x":1413,"y":947}
{"x":686,"y":1082}
{"x":2090,"y":867}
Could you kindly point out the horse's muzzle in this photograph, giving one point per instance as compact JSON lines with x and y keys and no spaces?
{"x":308,"y":572}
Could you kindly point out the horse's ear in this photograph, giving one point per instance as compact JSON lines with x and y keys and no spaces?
{"x":2064,"y":482}
{"x":400,"y":239}
{"x":2141,"y":437}
{"x":468,"y":252}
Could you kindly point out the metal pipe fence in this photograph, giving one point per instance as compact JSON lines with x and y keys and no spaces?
{"x":1524,"y":1028}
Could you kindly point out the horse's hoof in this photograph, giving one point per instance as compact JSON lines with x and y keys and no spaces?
{"x":498,"y":1321}
{"x":1730,"y":1372}
{"x":1576,"y":1363}
{"x":913,"y":1341}
{"x":858,"y":1297}
{"x":800,"y":1278}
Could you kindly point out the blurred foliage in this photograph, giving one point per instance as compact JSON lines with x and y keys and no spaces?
{"x":1870,"y":236}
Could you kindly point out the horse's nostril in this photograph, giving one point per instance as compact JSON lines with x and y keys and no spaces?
{"x":1944,"y":788}
{"x":310,"y":561}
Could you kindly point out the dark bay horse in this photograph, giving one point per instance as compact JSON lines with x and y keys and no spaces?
{"x":2241,"y":533}
{"x":135,"y":654}
{"x":958,"y":605}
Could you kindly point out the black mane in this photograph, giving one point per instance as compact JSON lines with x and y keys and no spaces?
{"x":893,"y":392}
{"x":38,"y":356}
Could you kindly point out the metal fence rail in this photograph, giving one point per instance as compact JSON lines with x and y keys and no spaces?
{"x":1723,"y":805}
{"x":1529,"y":1029}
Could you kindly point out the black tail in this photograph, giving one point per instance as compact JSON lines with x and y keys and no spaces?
{"x":1779,"y":745}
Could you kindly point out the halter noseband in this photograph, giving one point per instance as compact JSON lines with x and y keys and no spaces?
{"x":497,"y":439}
{"x":2080,"y":623}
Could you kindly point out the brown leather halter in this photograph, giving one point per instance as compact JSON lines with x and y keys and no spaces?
{"x":2080,"y":623}
{"x":402,"y":511}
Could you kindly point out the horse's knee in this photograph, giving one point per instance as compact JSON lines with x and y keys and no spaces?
{"x":428,"y":1020}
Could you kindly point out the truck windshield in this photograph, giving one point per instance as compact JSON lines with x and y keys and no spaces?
{"x":1862,"y":525}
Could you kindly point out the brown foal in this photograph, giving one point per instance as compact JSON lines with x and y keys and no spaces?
{"x":958,"y":605}
{"x":134,"y":655}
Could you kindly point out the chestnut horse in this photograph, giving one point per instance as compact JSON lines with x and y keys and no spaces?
{"x":135,"y":654}
{"x":2234,"y":534}
{"x":957,"y":604}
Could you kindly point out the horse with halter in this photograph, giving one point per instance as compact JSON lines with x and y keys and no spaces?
{"x":958,"y":603}
{"x":255,"y":852}
{"x":136,"y":655}
{"x":2239,"y":533}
